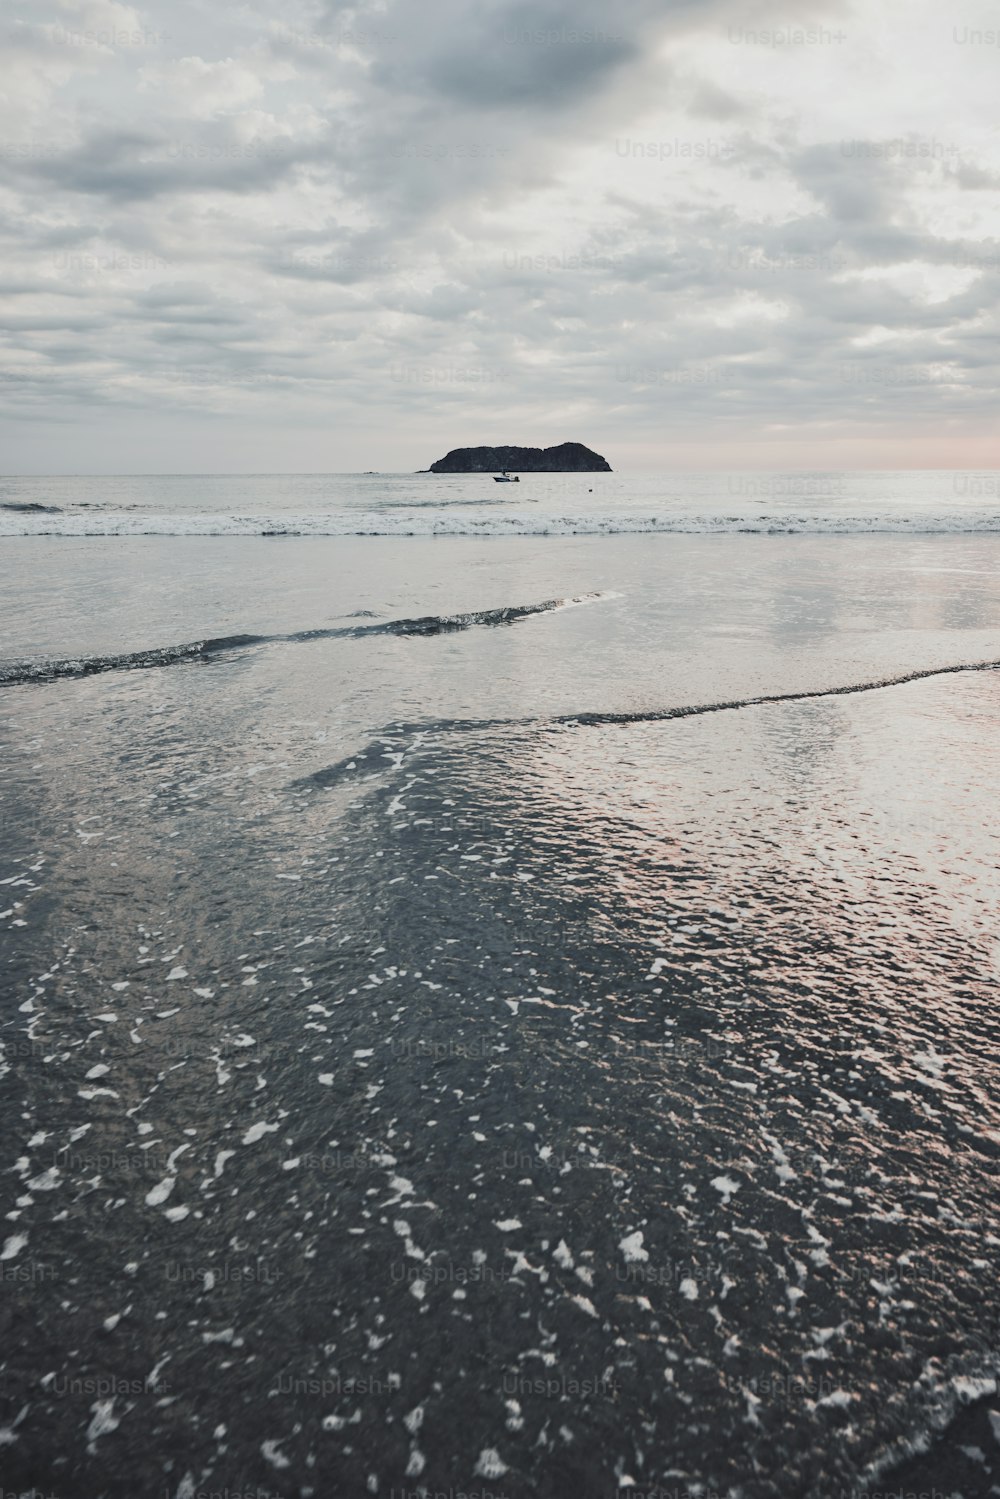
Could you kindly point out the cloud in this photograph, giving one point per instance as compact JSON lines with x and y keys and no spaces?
{"x":130,"y":166}
{"x":508,"y":56}
{"x":201,"y":88}
{"x":325,"y":216}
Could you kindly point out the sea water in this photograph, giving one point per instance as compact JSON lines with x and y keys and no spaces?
{"x":498,"y":1013}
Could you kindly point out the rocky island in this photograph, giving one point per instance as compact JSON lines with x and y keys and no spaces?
{"x":567,"y":458}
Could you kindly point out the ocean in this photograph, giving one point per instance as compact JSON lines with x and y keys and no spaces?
{"x":500,"y":993}
{"x":425,"y":504}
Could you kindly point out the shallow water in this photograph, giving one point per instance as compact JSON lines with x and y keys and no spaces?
{"x":421,"y":1071}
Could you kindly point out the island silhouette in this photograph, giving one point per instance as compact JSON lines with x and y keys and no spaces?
{"x":566,"y":458}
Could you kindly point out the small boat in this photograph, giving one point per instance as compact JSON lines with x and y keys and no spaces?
{"x":505,"y":478}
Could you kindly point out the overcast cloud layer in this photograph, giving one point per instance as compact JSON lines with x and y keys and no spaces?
{"x":298,"y":235}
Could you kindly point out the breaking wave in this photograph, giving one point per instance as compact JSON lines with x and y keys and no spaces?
{"x":467,"y":520}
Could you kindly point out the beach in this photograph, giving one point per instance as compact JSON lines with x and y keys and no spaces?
{"x":498,"y":1012}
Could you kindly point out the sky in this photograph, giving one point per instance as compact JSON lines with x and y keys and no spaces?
{"x":297,"y":235}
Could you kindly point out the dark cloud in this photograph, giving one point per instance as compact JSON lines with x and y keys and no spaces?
{"x":508,"y":56}
{"x":130,"y":166}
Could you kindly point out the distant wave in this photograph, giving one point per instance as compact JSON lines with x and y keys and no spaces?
{"x":418,"y":520}
{"x":19,"y":674}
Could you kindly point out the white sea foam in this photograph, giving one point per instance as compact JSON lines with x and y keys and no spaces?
{"x":425,"y":522}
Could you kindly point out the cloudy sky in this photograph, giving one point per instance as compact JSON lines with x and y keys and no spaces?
{"x":300,"y":235}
